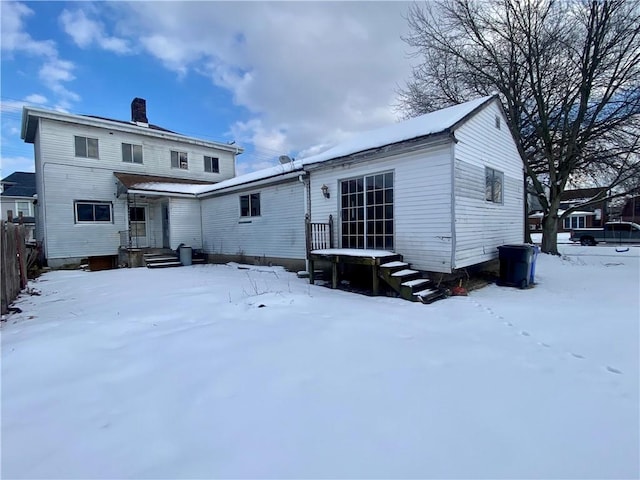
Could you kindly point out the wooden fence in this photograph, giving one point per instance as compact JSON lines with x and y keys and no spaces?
{"x":13,"y":270}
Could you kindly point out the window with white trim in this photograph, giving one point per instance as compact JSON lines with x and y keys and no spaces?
{"x":23,"y":207}
{"x":211,"y":164}
{"x":131,"y":153}
{"x":494,"y":180}
{"x":250,"y":205}
{"x":179,"y":160}
{"x":86,"y":147}
{"x":92,"y":212}
{"x":575,"y":221}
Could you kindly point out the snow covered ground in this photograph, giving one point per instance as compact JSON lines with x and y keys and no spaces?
{"x":213,"y":371}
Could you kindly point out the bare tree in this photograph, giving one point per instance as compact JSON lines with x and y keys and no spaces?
{"x":568,"y":74}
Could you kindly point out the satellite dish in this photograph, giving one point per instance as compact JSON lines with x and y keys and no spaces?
{"x":284,"y":159}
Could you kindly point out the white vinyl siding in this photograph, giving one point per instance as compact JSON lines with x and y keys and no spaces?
{"x":57,"y":149}
{"x":278,"y":232}
{"x":421,"y":203}
{"x":480,"y":225}
{"x":67,"y":238}
{"x":184,"y":223}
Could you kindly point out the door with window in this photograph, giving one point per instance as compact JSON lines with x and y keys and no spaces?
{"x":366,"y":211}
{"x":138,"y":215}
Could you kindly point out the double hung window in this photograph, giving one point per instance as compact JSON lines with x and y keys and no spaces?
{"x":131,"y":153}
{"x":86,"y":147}
{"x":179,"y":160}
{"x":250,"y":205}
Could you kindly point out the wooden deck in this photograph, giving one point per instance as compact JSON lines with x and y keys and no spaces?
{"x":337,"y":256}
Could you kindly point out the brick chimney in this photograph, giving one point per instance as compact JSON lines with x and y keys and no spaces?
{"x":139,"y":110}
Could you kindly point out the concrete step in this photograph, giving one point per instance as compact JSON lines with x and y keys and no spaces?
{"x":164,"y":264}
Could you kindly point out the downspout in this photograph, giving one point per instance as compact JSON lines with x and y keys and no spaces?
{"x":453,"y":200}
{"x":307,"y":194}
{"x":201,"y":226}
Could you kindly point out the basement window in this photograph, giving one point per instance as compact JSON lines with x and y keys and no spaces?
{"x":93,"y":212}
{"x":494,"y":180}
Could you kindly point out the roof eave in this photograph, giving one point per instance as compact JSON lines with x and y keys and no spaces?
{"x":395,"y":148}
{"x":28,"y":132}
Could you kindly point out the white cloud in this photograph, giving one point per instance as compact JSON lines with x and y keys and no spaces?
{"x":54,"y":72}
{"x":85,"y":31}
{"x":310,"y":73}
{"x":14,"y":38}
{"x":36,"y":99}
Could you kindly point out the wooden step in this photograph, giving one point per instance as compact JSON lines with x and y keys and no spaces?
{"x":429,"y":295}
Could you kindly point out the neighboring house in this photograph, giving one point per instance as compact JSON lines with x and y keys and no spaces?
{"x":98,"y":180}
{"x":631,"y":210}
{"x":17,"y":198}
{"x":589,"y":216}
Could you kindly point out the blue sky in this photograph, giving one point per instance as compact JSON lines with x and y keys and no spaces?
{"x":276,"y":77}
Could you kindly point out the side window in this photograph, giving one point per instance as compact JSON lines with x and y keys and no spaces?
{"x":86,"y":147}
{"x":179,"y":160}
{"x":131,"y":153}
{"x":250,"y":205}
{"x":92,"y":212}
{"x":494,"y":180}
{"x":211,"y":164}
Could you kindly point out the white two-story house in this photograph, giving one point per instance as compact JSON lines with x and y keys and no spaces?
{"x":103,"y":184}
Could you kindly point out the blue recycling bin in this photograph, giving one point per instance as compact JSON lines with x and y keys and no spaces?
{"x":515,"y":265}
{"x":535,"y":251}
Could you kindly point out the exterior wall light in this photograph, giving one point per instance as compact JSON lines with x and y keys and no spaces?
{"x":325,"y":191}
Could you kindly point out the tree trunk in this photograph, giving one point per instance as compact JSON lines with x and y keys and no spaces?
{"x":550,"y":233}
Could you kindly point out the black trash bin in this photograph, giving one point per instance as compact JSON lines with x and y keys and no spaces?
{"x":515,"y":265}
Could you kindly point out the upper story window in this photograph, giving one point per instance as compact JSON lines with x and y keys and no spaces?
{"x":131,"y":153}
{"x":86,"y":147}
{"x":493,"y":185}
{"x":24,"y":208}
{"x":179,"y":160}
{"x":211,"y":164}
{"x":250,"y":205}
{"x":93,"y":212}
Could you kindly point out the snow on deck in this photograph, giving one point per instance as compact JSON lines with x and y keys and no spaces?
{"x":354,"y":252}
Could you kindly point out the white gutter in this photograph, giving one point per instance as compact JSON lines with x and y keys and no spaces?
{"x":158,"y":193}
{"x":252,"y":184}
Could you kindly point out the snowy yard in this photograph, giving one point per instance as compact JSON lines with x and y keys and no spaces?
{"x":216,"y":372}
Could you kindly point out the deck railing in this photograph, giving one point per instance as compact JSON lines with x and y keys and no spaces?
{"x":319,"y":235}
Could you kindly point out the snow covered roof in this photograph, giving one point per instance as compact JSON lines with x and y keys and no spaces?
{"x":158,"y":184}
{"x":422,"y":126}
{"x":429,"y":124}
{"x":271,"y":172}
{"x":561,"y":212}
